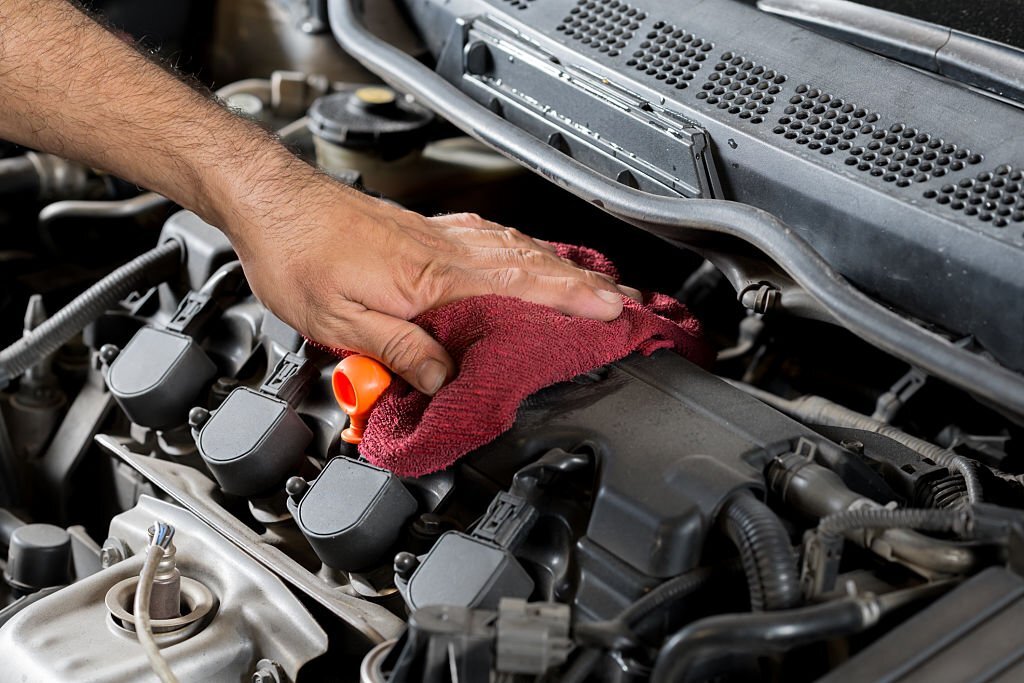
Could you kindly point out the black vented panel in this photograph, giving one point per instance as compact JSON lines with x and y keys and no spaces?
{"x":825,"y":123}
{"x":846,"y":162}
{"x":602,"y":25}
{"x":898,"y":153}
{"x":670,"y":54}
{"x":742,"y":87}
{"x":993,"y":197}
{"x":902,"y":154}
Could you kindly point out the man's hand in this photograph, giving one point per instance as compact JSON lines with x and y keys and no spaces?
{"x":350,"y":271}
{"x":342,"y":268}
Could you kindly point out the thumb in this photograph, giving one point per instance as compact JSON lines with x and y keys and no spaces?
{"x":404,"y":347}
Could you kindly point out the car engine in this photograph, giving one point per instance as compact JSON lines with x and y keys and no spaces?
{"x":834,"y":189}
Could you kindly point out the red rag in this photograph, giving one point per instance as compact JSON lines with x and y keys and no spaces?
{"x":507,"y":349}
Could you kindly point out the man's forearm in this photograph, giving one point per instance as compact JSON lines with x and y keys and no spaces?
{"x":70,"y":87}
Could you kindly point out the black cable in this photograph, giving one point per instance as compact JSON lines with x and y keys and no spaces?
{"x":681,"y":220}
{"x":958,"y":521}
{"x":696,"y":653}
{"x":666,"y":593}
{"x":628,"y":619}
{"x":768,"y":560}
{"x":144,"y":271}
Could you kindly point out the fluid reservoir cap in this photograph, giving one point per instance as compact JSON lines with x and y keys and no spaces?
{"x":39,"y":555}
{"x":370,"y":118}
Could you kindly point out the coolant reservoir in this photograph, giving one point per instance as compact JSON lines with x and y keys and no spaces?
{"x":385,"y":137}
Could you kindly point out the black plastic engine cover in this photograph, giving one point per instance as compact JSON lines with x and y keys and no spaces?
{"x":672,"y":442}
{"x":909,"y":185}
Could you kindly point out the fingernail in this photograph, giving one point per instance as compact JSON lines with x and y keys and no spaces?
{"x":431,"y":375}
{"x":632,"y":293}
{"x":610,"y":297}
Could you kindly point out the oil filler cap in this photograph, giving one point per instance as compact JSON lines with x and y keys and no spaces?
{"x":358,"y":383}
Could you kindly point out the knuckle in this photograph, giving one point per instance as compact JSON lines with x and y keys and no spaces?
{"x":573,"y":287}
{"x":402,"y":350}
{"x":508,"y":280}
{"x":521,"y":257}
{"x":426,"y":279}
{"x":512,"y":236}
{"x":469,"y":220}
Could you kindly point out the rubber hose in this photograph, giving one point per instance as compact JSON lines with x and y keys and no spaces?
{"x":144,"y":271}
{"x":672,"y":590}
{"x":690,"y":653}
{"x":666,"y":593}
{"x":821,"y":411}
{"x":958,"y":521}
{"x":18,"y":175}
{"x":765,"y":551}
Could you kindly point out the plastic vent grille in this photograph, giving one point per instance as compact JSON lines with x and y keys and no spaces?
{"x":670,"y":54}
{"x":742,"y":87}
{"x":604,"y":25}
{"x":992,"y":196}
{"x":823,"y":122}
{"x":518,"y":4}
{"x":899,"y":154}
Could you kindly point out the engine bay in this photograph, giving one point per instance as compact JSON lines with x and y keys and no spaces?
{"x":836,"y":495}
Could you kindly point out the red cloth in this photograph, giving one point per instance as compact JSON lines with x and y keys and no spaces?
{"x":507,"y":349}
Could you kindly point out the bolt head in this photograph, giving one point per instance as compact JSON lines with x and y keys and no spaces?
{"x":112,"y":552}
{"x":197,"y":417}
{"x":108,"y":352}
{"x":405,"y":564}
{"x":296,"y":487}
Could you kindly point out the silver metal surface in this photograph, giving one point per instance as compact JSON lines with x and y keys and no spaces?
{"x":199,"y":605}
{"x":197,"y":493}
{"x":69,"y":637}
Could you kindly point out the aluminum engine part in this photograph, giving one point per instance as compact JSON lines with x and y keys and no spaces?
{"x":70,"y":637}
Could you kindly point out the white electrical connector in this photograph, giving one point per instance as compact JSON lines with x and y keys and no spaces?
{"x":163,"y":533}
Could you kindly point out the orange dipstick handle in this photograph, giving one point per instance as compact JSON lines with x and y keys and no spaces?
{"x":358,"y":382}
